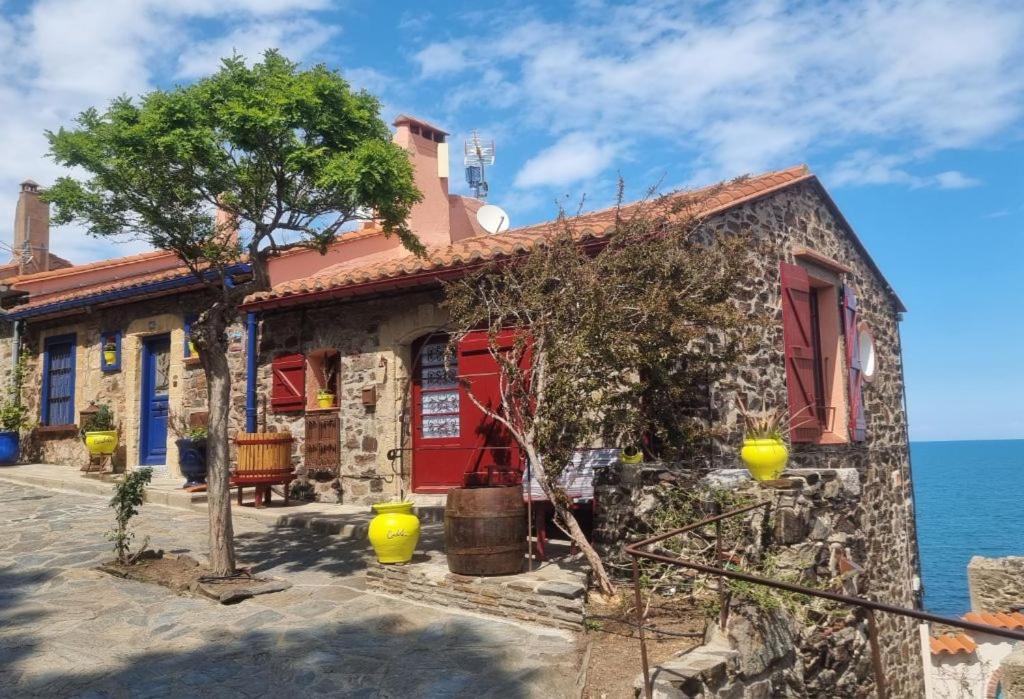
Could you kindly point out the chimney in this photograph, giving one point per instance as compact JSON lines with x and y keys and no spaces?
{"x":427,"y":146}
{"x":31,"y":231}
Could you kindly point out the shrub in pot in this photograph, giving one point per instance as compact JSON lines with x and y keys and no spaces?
{"x":324,"y":399}
{"x":13,"y":415}
{"x":110,"y":353}
{"x":764,"y":451}
{"x":98,"y":431}
{"x":191,"y":443}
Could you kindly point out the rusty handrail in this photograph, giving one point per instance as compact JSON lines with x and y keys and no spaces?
{"x":870,"y":605}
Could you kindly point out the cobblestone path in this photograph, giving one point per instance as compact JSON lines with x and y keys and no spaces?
{"x":67,"y":630}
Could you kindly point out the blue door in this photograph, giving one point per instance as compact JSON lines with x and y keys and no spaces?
{"x":156,"y":372}
{"x":59,"y":381}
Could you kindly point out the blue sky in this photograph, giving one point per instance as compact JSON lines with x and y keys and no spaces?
{"x":910,"y":112}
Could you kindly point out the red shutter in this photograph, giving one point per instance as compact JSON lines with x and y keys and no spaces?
{"x":799,"y":352}
{"x":858,"y":424}
{"x":288,"y":390}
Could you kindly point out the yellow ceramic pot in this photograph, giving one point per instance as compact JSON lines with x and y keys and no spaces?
{"x":109,"y":356}
{"x":764,"y":458}
{"x":104,"y":442}
{"x":325,"y":400}
{"x":394,"y":532}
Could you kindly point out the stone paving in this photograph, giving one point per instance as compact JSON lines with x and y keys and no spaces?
{"x":67,"y":630}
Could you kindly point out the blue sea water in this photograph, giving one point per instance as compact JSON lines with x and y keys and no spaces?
{"x":970,"y":502}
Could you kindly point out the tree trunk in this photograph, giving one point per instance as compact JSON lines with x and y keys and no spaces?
{"x":213,"y":354}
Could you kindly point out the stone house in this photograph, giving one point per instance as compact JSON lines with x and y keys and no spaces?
{"x":63,"y":315}
{"x":372,"y":332}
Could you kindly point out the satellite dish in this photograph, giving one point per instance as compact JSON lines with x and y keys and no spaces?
{"x":492,"y":219}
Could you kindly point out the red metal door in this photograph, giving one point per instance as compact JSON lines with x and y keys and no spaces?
{"x":451,"y":436}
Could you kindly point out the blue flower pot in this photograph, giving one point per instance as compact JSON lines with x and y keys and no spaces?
{"x":10,"y":445}
{"x":192,"y":460}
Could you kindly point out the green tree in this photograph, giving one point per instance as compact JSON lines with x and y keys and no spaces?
{"x":290,"y":156}
{"x":620,"y":339}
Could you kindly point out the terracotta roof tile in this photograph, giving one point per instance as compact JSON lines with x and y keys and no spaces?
{"x":1002,"y":620}
{"x":103,"y":288}
{"x":952,"y":644}
{"x":477,"y":249}
{"x":89,"y":266}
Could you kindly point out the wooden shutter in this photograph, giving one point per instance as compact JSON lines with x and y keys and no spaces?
{"x":288,"y":390}
{"x":323,"y":442}
{"x":799,"y":352}
{"x":857,"y":424}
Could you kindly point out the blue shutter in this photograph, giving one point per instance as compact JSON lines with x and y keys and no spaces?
{"x":59,"y":381}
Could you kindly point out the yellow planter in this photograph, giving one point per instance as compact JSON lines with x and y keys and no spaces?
{"x":192,"y":351}
{"x":101,"y":442}
{"x":764,"y":458}
{"x":109,"y":356}
{"x":394,"y":532}
{"x":325,"y":401}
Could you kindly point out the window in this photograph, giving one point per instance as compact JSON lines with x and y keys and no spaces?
{"x":110,"y":351}
{"x":439,"y":391}
{"x":323,"y":368}
{"x":58,"y":399}
{"x":817,"y":381}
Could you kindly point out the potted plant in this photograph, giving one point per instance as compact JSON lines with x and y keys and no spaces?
{"x":13,"y":416}
{"x":98,"y":431}
{"x":764,"y":451}
{"x":394,"y":532}
{"x":191,"y":443}
{"x":324,"y":398}
{"x":109,"y":352}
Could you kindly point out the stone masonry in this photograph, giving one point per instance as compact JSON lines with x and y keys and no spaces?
{"x":996,"y":584}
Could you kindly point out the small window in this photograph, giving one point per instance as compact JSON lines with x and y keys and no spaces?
{"x":323,"y":368}
{"x":439,"y":392}
{"x":110,"y":351}
{"x":58,"y":400}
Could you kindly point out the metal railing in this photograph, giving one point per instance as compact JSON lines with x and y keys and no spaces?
{"x":636,"y":551}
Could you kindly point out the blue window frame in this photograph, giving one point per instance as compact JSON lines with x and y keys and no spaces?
{"x":189,"y":319}
{"x":58,"y":400}
{"x":106,"y":338}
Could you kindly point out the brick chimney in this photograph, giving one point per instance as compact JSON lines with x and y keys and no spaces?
{"x":427,"y":146}
{"x":31,"y":231}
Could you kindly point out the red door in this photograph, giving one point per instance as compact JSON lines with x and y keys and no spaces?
{"x":454,"y":442}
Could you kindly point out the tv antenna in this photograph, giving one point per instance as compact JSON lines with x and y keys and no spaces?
{"x":479,"y":155}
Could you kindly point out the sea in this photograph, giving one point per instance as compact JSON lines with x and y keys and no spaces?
{"x":970,"y":502}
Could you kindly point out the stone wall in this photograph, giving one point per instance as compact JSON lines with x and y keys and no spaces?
{"x":550,"y":597}
{"x":120,"y":389}
{"x":374,"y":339}
{"x":814,"y":536}
{"x":1012,"y":675}
{"x":996,"y":584}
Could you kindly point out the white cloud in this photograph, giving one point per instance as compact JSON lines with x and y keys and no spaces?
{"x":746,"y":86}
{"x":577,"y":156}
{"x":954,"y":179}
{"x":442,"y":59}
{"x":301,"y":37}
{"x":58,"y":57}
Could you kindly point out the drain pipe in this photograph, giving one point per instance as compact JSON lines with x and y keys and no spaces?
{"x":15,"y":348}
{"x":250,"y":371}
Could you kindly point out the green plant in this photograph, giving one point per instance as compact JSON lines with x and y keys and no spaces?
{"x":324,"y":393}
{"x":182,"y":429}
{"x":128,"y":494}
{"x":100,"y":421}
{"x":770,"y":423}
{"x":109,"y":346}
{"x":14,"y":413}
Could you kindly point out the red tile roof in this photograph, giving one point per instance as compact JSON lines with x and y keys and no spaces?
{"x":89,"y":266}
{"x":952,"y":644}
{"x":83,"y":292}
{"x":348,"y":276}
{"x":1003,"y":620}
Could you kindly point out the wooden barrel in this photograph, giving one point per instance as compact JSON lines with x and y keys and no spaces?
{"x":485,"y":530}
{"x":263,"y":456}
